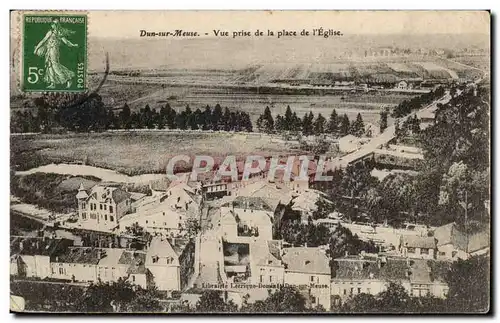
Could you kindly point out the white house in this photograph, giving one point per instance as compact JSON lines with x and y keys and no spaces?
{"x":266,"y":266}
{"x":413,"y":246}
{"x":163,"y":263}
{"x":309,"y":270}
{"x":246,"y":217}
{"x":370,"y":274}
{"x":30,"y":256}
{"x":453,"y":243}
{"x":402,"y":85}
{"x":102,"y":207}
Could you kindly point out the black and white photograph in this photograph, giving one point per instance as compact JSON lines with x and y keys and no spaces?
{"x":250,"y":162}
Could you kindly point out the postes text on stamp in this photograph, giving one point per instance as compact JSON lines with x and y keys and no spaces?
{"x":54,"y":53}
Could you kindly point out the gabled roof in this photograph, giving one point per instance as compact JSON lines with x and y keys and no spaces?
{"x":412,"y":241}
{"x":451,"y":234}
{"x":382,"y":268}
{"x":31,"y":246}
{"x":249,"y":202}
{"x":263,"y":254}
{"x":80,"y":255}
{"x":306,"y":260}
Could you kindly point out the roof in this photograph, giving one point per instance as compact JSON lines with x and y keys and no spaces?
{"x":249,"y":202}
{"x":111,"y":257}
{"x":249,"y":217}
{"x":80,"y":255}
{"x":135,"y":260}
{"x":31,"y":246}
{"x":103,"y":192}
{"x":418,"y":242}
{"x":359,"y":267}
{"x":263,"y":253}
{"x":161,"y":248}
{"x":306,"y":260}
{"x":451,"y":234}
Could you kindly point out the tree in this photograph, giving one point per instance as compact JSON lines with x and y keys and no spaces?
{"x":469,"y":283}
{"x":344,"y":125}
{"x":265,"y":123}
{"x":361,"y":303}
{"x":319,"y":125}
{"x":170,"y":117}
{"x":358,"y":126}
{"x":211,"y":302}
{"x":284,"y":300}
{"x":307,"y":124}
{"x":394,"y":299}
{"x":289,"y":119}
{"x":280,"y":124}
{"x":383,"y":120}
{"x":217,"y":118}
{"x":333,"y":123}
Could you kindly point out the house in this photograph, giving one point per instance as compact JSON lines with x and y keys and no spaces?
{"x":30,"y":256}
{"x":453,"y":243}
{"x":266,"y":266}
{"x":309,"y":270}
{"x":246,"y":217}
{"x":402,"y":85}
{"x":167,"y":214}
{"x":161,"y":219}
{"x":413,"y":246}
{"x":77,"y":264}
{"x":371,"y":273}
{"x":132,"y":265}
{"x":170,"y":262}
{"x":102,"y":207}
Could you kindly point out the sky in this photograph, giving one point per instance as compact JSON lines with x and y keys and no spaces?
{"x":127,"y":24}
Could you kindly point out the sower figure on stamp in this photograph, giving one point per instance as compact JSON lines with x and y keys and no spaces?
{"x":55,"y":72}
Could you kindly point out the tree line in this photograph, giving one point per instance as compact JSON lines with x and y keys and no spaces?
{"x":92,"y":115}
{"x":407,"y":106}
{"x":309,"y":124}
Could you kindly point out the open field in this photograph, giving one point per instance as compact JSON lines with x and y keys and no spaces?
{"x":136,"y":153}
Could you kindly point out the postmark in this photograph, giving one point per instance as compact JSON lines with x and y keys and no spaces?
{"x":54,"y":53}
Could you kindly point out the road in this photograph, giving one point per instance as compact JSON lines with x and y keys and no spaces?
{"x":385,"y":137}
{"x":210,"y":253}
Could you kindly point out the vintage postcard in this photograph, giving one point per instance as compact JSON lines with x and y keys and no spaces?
{"x":250,"y":162}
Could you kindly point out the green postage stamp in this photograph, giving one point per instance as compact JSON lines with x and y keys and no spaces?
{"x":54,"y":49}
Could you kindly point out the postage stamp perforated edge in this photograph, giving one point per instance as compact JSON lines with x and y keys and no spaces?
{"x":17,"y":58}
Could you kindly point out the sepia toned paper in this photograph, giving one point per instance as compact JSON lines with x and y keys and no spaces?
{"x":250,"y":162}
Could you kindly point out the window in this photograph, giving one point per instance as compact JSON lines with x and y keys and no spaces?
{"x":312,"y":278}
{"x":61,"y":271}
{"x":345,"y":291}
{"x":154,"y":259}
{"x":84,"y":216}
{"x":105,"y":207}
{"x":106,"y":217}
{"x":111,"y":218}
{"x":261,"y":278}
{"x":110,"y":209}
{"x":442,"y":253}
{"x":92,"y":216}
{"x":133,"y":278}
{"x":271,"y":278}
{"x":146,"y":221}
{"x":359,"y":290}
{"x":411,"y":250}
{"x":352,"y":291}
{"x":100,"y":206}
{"x":424,"y":251}
{"x":453,"y":254}
{"x":53,"y":271}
